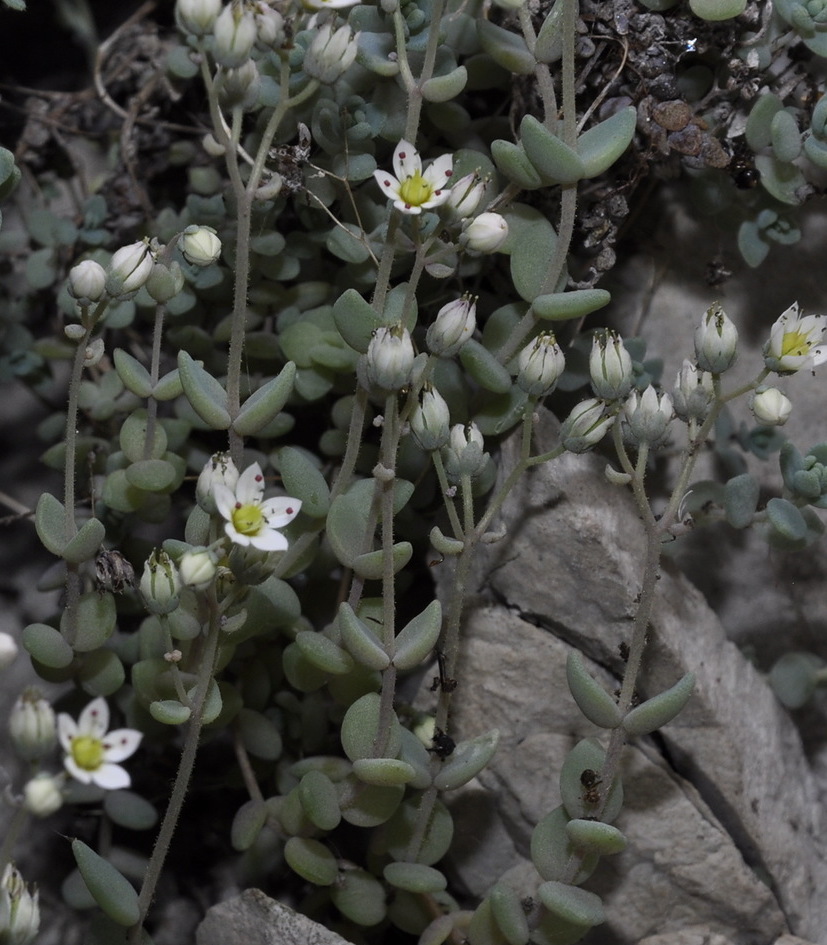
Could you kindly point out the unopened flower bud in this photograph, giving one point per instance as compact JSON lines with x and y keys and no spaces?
{"x":610,"y":366}
{"x":87,"y":281}
{"x":269,"y":26}
{"x":165,"y":282}
{"x":19,"y":909}
{"x":42,"y":795}
{"x":465,"y":196}
{"x":235,"y":35}
{"x":200,"y":245}
{"x":240,"y":87}
{"x":8,"y":650}
{"x":647,"y":416}
{"x":197,"y":568}
{"x":486,"y":233}
{"x":716,"y":340}
{"x":129,"y":269}
{"x":585,"y":426}
{"x":693,"y":392}
{"x":390,"y":357}
{"x":770,"y":407}
{"x":453,"y":326}
{"x":160,"y":583}
{"x":540,"y":364}
{"x":218,"y":470}
{"x":330,"y":54}
{"x":32,"y":726}
{"x":430,"y":420}
{"x":197,"y":16}
{"x":94,"y":353}
{"x":465,"y":453}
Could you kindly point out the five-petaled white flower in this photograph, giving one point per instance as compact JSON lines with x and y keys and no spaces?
{"x":414,"y":190}
{"x":794,"y":342}
{"x":92,"y":753}
{"x":251,"y":519}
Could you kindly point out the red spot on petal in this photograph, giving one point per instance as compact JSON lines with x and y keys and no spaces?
{"x":259,"y":478}
{"x":238,"y":505}
{"x":437,"y":193}
{"x":289,"y":511}
{"x":449,"y":173}
{"x":387,"y":183}
{"x":403,"y":155}
{"x":407,"y":206}
{"x":124,"y":741}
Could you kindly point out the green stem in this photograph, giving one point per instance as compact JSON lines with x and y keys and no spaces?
{"x":18,"y":821}
{"x":154,"y":373}
{"x":184,"y":775}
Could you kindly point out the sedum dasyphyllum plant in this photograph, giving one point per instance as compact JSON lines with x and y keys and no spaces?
{"x":289,"y":371}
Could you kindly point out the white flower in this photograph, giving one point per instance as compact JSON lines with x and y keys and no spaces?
{"x":251,"y":519}
{"x":330,"y":53}
{"x":413,"y":191}
{"x":794,"y":342}
{"x":92,"y":753}
{"x":129,"y":269}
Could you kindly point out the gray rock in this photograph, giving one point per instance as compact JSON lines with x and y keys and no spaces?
{"x":253,"y":918}
{"x":570,"y":567}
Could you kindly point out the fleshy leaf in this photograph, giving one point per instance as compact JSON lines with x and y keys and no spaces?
{"x":264,"y":405}
{"x":591,"y":698}
{"x":418,"y":637}
{"x":206,"y":396}
{"x":109,"y":888}
{"x":660,"y":709}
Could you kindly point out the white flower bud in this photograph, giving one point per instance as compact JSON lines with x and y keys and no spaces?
{"x":235,"y":35}
{"x":430,"y":420}
{"x":218,"y":470}
{"x":465,"y":196}
{"x":585,"y":426}
{"x":610,"y":366}
{"x":240,"y":87}
{"x":716,"y":340}
{"x":19,"y":909}
{"x":693,"y":392}
{"x":8,"y":650}
{"x":540,"y":364}
{"x":197,"y":568}
{"x":160,"y":583}
{"x":42,"y":795}
{"x":647,"y":416}
{"x":129,"y":269}
{"x":200,"y":245}
{"x":32,"y":726}
{"x":486,"y":233}
{"x":74,"y":332}
{"x":390,"y":357}
{"x":770,"y":407}
{"x":87,"y":281}
{"x":330,"y":54}
{"x":197,"y":16}
{"x":165,"y":282}
{"x":465,"y":453}
{"x":452,"y":327}
{"x":270,"y":26}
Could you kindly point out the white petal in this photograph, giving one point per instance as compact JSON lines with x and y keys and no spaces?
{"x":224,"y":500}
{"x":280,"y":510}
{"x":438,"y":198}
{"x":407,"y":208}
{"x":111,"y":777}
{"x":269,"y":540}
{"x":78,"y":773}
{"x":388,"y":184}
{"x":819,"y":355}
{"x":94,"y":720}
{"x":439,"y":173}
{"x":250,"y":485}
{"x":234,"y":535}
{"x":67,"y":728}
{"x":121,"y":743}
{"x":406,"y":160}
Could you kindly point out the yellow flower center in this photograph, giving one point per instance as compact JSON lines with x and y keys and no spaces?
{"x":796,"y":343}
{"x":416,"y":190}
{"x":87,"y":752}
{"x":248,"y":519}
